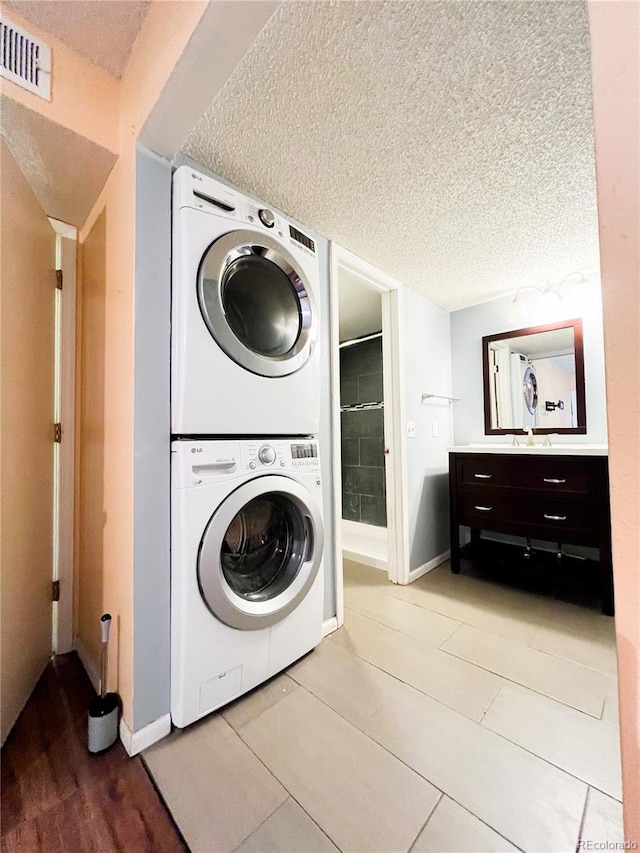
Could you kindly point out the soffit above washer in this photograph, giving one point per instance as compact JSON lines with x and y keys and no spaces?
{"x":450,"y":144}
{"x":359,"y":307}
{"x":103,"y":31}
{"x":65,"y":170}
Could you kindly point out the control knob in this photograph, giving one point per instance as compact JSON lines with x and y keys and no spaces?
{"x":267,"y":218}
{"x":267,"y":454}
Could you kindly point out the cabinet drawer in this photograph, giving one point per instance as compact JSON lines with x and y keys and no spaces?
{"x":548,"y":517}
{"x":533,"y":474}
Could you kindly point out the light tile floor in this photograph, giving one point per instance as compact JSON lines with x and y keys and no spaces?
{"x":454,"y":714}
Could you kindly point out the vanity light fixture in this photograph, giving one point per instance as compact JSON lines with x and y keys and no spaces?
{"x":519,"y":310}
{"x":548,"y":302}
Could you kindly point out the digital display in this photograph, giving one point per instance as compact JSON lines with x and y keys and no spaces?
{"x":304,"y":451}
{"x":299,"y":237}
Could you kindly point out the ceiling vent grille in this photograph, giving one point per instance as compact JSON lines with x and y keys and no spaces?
{"x":24,"y":59}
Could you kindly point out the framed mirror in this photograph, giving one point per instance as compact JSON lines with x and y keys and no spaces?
{"x":534,"y":378}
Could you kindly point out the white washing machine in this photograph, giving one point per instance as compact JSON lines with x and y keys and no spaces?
{"x":245,"y":316}
{"x":247,"y":585}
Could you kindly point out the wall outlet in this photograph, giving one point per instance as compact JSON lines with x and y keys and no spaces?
{"x":435,"y":432}
{"x":411,"y":429}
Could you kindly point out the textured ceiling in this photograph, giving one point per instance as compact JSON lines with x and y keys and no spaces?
{"x":66,"y":171}
{"x":103,"y":31}
{"x":555,"y":341}
{"x":448,"y":143}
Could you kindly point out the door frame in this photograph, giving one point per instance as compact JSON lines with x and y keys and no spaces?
{"x":63,"y":640}
{"x":391,"y":291}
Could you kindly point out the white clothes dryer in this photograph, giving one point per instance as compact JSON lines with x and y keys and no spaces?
{"x":247,"y":585}
{"x":524,"y":386}
{"x":245,"y":316}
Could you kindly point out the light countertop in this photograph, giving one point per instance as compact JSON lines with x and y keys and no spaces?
{"x":554,"y":450}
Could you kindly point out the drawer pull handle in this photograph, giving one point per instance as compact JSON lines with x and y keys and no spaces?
{"x":555,"y":517}
{"x":553,"y":480}
{"x":484,"y":508}
{"x":483,"y":476}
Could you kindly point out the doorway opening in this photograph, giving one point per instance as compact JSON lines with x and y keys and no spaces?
{"x":362,"y":436}
{"x":368,"y":419}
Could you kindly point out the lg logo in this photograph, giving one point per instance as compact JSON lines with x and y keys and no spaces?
{"x":196,"y":450}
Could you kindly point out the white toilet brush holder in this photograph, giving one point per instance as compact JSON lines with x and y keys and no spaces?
{"x":104,"y":710}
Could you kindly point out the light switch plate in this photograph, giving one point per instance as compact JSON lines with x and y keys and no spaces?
{"x":411,"y":429}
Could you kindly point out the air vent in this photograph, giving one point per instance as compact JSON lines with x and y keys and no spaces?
{"x":24,"y":59}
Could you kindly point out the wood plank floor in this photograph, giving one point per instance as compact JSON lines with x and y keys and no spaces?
{"x":56,"y":796}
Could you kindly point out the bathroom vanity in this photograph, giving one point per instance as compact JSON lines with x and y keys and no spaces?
{"x":557,"y":494}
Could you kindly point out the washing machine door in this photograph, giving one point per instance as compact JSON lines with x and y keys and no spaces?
{"x":260,"y":552}
{"x":257,"y":304}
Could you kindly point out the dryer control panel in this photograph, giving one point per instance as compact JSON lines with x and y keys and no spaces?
{"x":203,"y":192}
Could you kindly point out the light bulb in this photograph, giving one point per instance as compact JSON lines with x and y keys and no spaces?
{"x":549,"y":305}
{"x":518,"y":311}
{"x":577,"y":296}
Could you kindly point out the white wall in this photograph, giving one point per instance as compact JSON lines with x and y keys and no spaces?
{"x":469,"y":325}
{"x":427,"y":369}
{"x":152,"y":428}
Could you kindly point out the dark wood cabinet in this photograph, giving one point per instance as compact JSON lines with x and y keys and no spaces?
{"x":561,"y":499}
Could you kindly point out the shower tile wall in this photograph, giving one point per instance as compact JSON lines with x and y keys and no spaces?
{"x":363,"y":484}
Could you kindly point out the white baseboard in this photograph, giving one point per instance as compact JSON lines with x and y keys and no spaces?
{"x":365,"y":559}
{"x":414,"y":574}
{"x":329,"y":626}
{"x":371,"y":531}
{"x":365,"y":544}
{"x":135,"y":742}
{"x":89,"y":667}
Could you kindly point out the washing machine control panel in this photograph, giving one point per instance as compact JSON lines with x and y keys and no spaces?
{"x":275,"y":454}
{"x":263,"y":455}
{"x":202,"y":463}
{"x":304,"y":456}
{"x":267,"y":454}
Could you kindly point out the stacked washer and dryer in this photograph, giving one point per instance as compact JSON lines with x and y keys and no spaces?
{"x":247,"y":583}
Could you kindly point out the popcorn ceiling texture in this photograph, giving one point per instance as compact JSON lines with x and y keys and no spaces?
{"x":449,"y":143}
{"x":103,"y":31}
{"x":66,"y":171}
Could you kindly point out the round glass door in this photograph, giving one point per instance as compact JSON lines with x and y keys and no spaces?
{"x":256,"y":303}
{"x":260,"y":552}
{"x":530,"y":390}
{"x":261,"y":306}
{"x":263,"y":548}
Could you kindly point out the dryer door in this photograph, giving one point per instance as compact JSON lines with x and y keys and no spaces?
{"x":257,"y":303}
{"x":530,"y":390}
{"x":260,"y":552}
